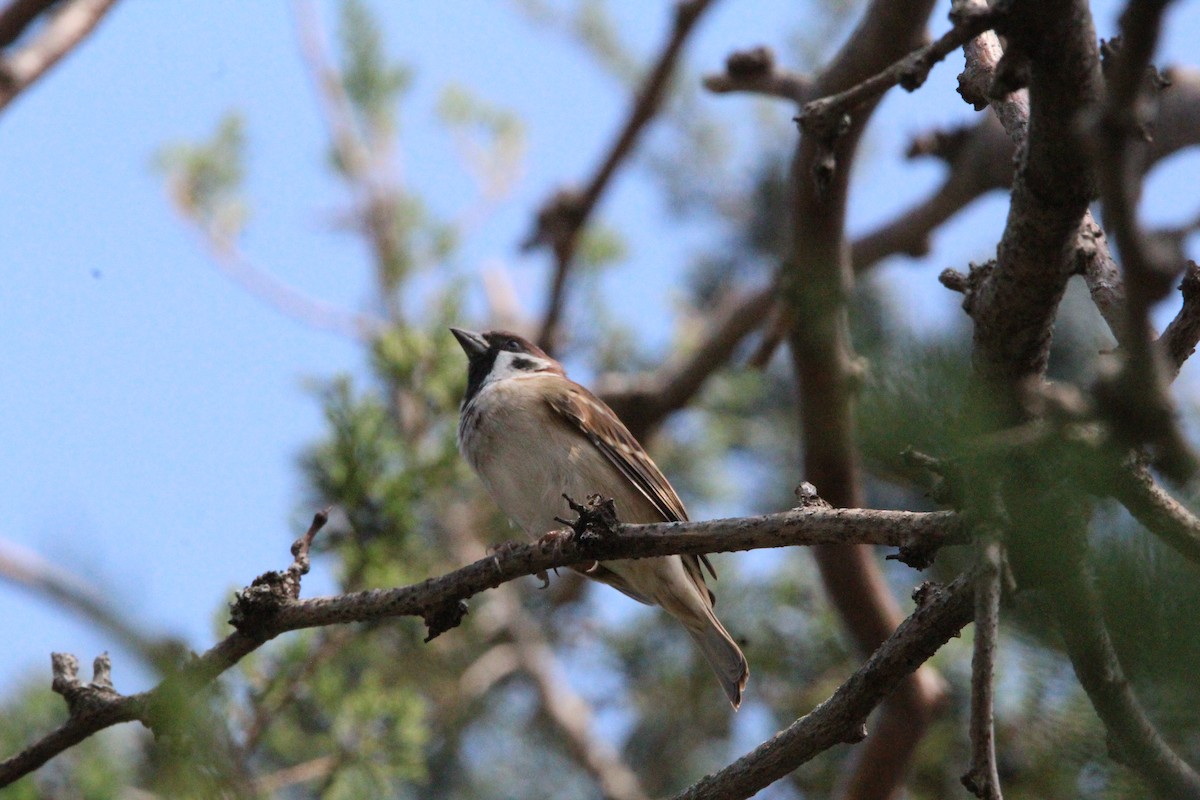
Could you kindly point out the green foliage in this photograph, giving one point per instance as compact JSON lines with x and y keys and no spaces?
{"x":205,"y":178}
{"x":372,"y":83}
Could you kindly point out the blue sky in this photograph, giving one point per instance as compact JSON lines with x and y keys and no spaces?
{"x":153,"y":410}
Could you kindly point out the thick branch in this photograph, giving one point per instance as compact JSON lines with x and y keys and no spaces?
{"x":265,"y":610}
{"x":1053,"y":44}
{"x":68,"y":26}
{"x":564,"y":215}
{"x":941,"y":613}
{"x":816,"y":284}
{"x":1138,"y":399}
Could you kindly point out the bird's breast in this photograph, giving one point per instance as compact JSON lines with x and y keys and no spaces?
{"x":528,"y":459}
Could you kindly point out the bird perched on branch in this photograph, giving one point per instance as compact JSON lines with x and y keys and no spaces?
{"x":533,"y":435}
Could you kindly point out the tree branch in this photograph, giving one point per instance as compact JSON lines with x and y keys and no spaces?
{"x":1137,"y":744}
{"x":564,"y":215}
{"x":1053,"y":46}
{"x":66,"y":28}
{"x":815,"y":286}
{"x":41,"y":576}
{"x":823,"y":117}
{"x":643,"y":401}
{"x":568,"y":713}
{"x":980,"y":161}
{"x":755,"y":71}
{"x":1137,"y":398}
{"x":19,"y":15}
{"x":270,"y":606}
{"x":1179,"y":340}
{"x":983,"y":779}
{"x":941,"y":613}
{"x":1135,"y":488}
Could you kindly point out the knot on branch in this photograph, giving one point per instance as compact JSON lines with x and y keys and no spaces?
{"x":978,"y":782}
{"x":757,"y":62}
{"x":806,"y":493}
{"x":267,"y":593}
{"x":967,"y":285}
{"x":945,"y":145}
{"x":925,"y":592}
{"x":595,"y":519}
{"x":855,"y":734}
{"x":558,"y":222}
{"x":82,"y":698}
{"x":443,"y":617}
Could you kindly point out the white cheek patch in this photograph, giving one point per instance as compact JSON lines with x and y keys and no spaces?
{"x":513,"y":365}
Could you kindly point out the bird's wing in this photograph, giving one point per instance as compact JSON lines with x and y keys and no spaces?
{"x":580,"y":409}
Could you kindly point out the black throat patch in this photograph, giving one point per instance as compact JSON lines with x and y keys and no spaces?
{"x":478,"y":368}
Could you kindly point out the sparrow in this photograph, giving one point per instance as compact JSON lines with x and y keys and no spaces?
{"x":533,"y":435}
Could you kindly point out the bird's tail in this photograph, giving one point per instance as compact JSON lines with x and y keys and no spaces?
{"x":722,"y":654}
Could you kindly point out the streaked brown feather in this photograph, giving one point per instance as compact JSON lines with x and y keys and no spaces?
{"x":588,"y":415}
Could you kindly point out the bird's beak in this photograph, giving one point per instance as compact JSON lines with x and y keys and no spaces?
{"x":473,"y":344}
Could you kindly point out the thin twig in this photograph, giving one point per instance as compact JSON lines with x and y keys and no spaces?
{"x":983,"y":779}
{"x":563,"y":216}
{"x":754,"y":71}
{"x":267,"y":608}
{"x":823,"y":117}
{"x":66,"y":28}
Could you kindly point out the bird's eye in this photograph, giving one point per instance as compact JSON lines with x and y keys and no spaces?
{"x":512,"y":345}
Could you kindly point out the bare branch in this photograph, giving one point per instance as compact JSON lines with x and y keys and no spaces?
{"x":1014,"y":305}
{"x":1137,"y":744}
{"x":823,"y":117}
{"x":570,"y":714}
{"x":815,"y":286}
{"x":643,"y":401}
{"x":981,"y":162}
{"x":66,"y":28}
{"x":564,"y":215}
{"x":1179,"y":340}
{"x":28,"y":569}
{"x":755,"y":71}
{"x":19,"y":15}
{"x":268,"y":607}
{"x":941,"y":613}
{"x":1164,"y":516}
{"x":1138,"y":397}
{"x":983,"y":779}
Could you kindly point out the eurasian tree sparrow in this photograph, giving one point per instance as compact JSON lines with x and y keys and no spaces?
{"x":533,"y":435}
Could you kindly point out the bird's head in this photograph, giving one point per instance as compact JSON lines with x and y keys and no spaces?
{"x":497,"y":355}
